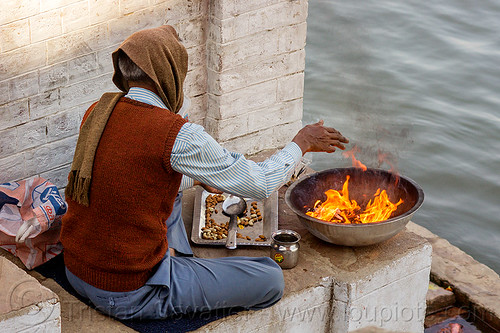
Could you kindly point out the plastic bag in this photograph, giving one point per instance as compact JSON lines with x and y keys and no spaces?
{"x":21,"y":201}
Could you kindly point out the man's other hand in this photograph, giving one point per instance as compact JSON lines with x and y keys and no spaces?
{"x":208,"y":188}
{"x":319,"y":138}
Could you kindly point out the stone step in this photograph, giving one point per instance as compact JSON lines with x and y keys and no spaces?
{"x":22,"y":290}
{"x":438,"y":298}
{"x":26,"y":305}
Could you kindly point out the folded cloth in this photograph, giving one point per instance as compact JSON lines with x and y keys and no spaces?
{"x":22,"y":201}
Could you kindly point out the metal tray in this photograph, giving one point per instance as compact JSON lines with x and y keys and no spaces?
{"x":268,"y":225}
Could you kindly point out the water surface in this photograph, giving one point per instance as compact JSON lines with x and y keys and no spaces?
{"x":419,"y":83}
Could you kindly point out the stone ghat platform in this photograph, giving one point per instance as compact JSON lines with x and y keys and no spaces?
{"x":336,"y":288}
{"x":332,"y":289}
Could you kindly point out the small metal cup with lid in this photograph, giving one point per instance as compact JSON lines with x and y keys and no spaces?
{"x":285,"y":248}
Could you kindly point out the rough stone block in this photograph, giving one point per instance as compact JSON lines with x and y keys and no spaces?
{"x":275,"y":115}
{"x":175,"y":11}
{"x":229,"y":128}
{"x":249,"y":144}
{"x":45,"y":25}
{"x":405,"y":313}
{"x":75,"y":16}
{"x":14,"y":113}
{"x":228,"y":8}
{"x":265,"y":118}
{"x":280,"y":14}
{"x":292,"y":37}
{"x":31,"y":134}
{"x":14,"y":35}
{"x":82,"y":68}
{"x":243,"y":100}
{"x":58,"y":176}
{"x":41,"y":317}
{"x":130,"y":6}
{"x":104,"y":60}
{"x":54,"y":76}
{"x":438,"y":298}
{"x":196,"y":81}
{"x":81,"y":109}
{"x":291,"y":87}
{"x":23,"y":86}
{"x":121,"y":28}
{"x":192,"y":32}
{"x":4,"y":92}
{"x":103,"y":10}
{"x":44,"y":104}
{"x":24,"y":302}
{"x":283,"y":134}
{"x":62,"y":125}
{"x":198,"y":110}
{"x":367,"y":298}
{"x":257,"y":46}
{"x":19,"y":9}
{"x":12,"y":168}
{"x":50,"y":155}
{"x":196,"y":56}
{"x":22,"y":60}
{"x":85,"y":91}
{"x":54,"y":4}
{"x":255,"y":72}
{"x":415,"y":261}
{"x":77,"y":43}
{"x":473,"y":283}
{"x":8,"y":141}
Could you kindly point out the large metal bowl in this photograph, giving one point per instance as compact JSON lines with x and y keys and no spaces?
{"x":302,"y":195}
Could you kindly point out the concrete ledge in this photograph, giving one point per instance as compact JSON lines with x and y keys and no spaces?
{"x":26,"y":305}
{"x":335,"y":288}
{"x":475,"y":285}
{"x":73,"y":315}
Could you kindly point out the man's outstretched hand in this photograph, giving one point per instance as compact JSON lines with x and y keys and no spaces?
{"x":319,"y":138}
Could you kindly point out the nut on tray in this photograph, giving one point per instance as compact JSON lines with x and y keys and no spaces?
{"x":255,"y":225}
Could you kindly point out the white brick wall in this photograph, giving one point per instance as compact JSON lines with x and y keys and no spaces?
{"x":245,"y":77}
{"x":256,"y":63}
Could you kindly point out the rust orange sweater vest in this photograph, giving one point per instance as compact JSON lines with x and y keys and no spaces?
{"x":115,"y":243}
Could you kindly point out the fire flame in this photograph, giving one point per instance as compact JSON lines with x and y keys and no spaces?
{"x":355,"y":162}
{"x":340,"y":209}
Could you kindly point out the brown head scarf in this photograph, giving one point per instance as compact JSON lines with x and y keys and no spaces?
{"x":162,"y":57}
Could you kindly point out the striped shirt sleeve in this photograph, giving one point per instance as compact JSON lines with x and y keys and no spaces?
{"x":186,"y":182}
{"x":197,"y":155}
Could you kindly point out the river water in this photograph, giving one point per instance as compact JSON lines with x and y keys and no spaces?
{"x":418,"y":82}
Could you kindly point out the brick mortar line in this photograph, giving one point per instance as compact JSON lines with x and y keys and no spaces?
{"x":258,"y":61}
{"x":253,"y":34}
{"x":210,"y":15}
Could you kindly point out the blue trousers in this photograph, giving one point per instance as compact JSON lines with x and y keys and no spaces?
{"x":184,"y":284}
